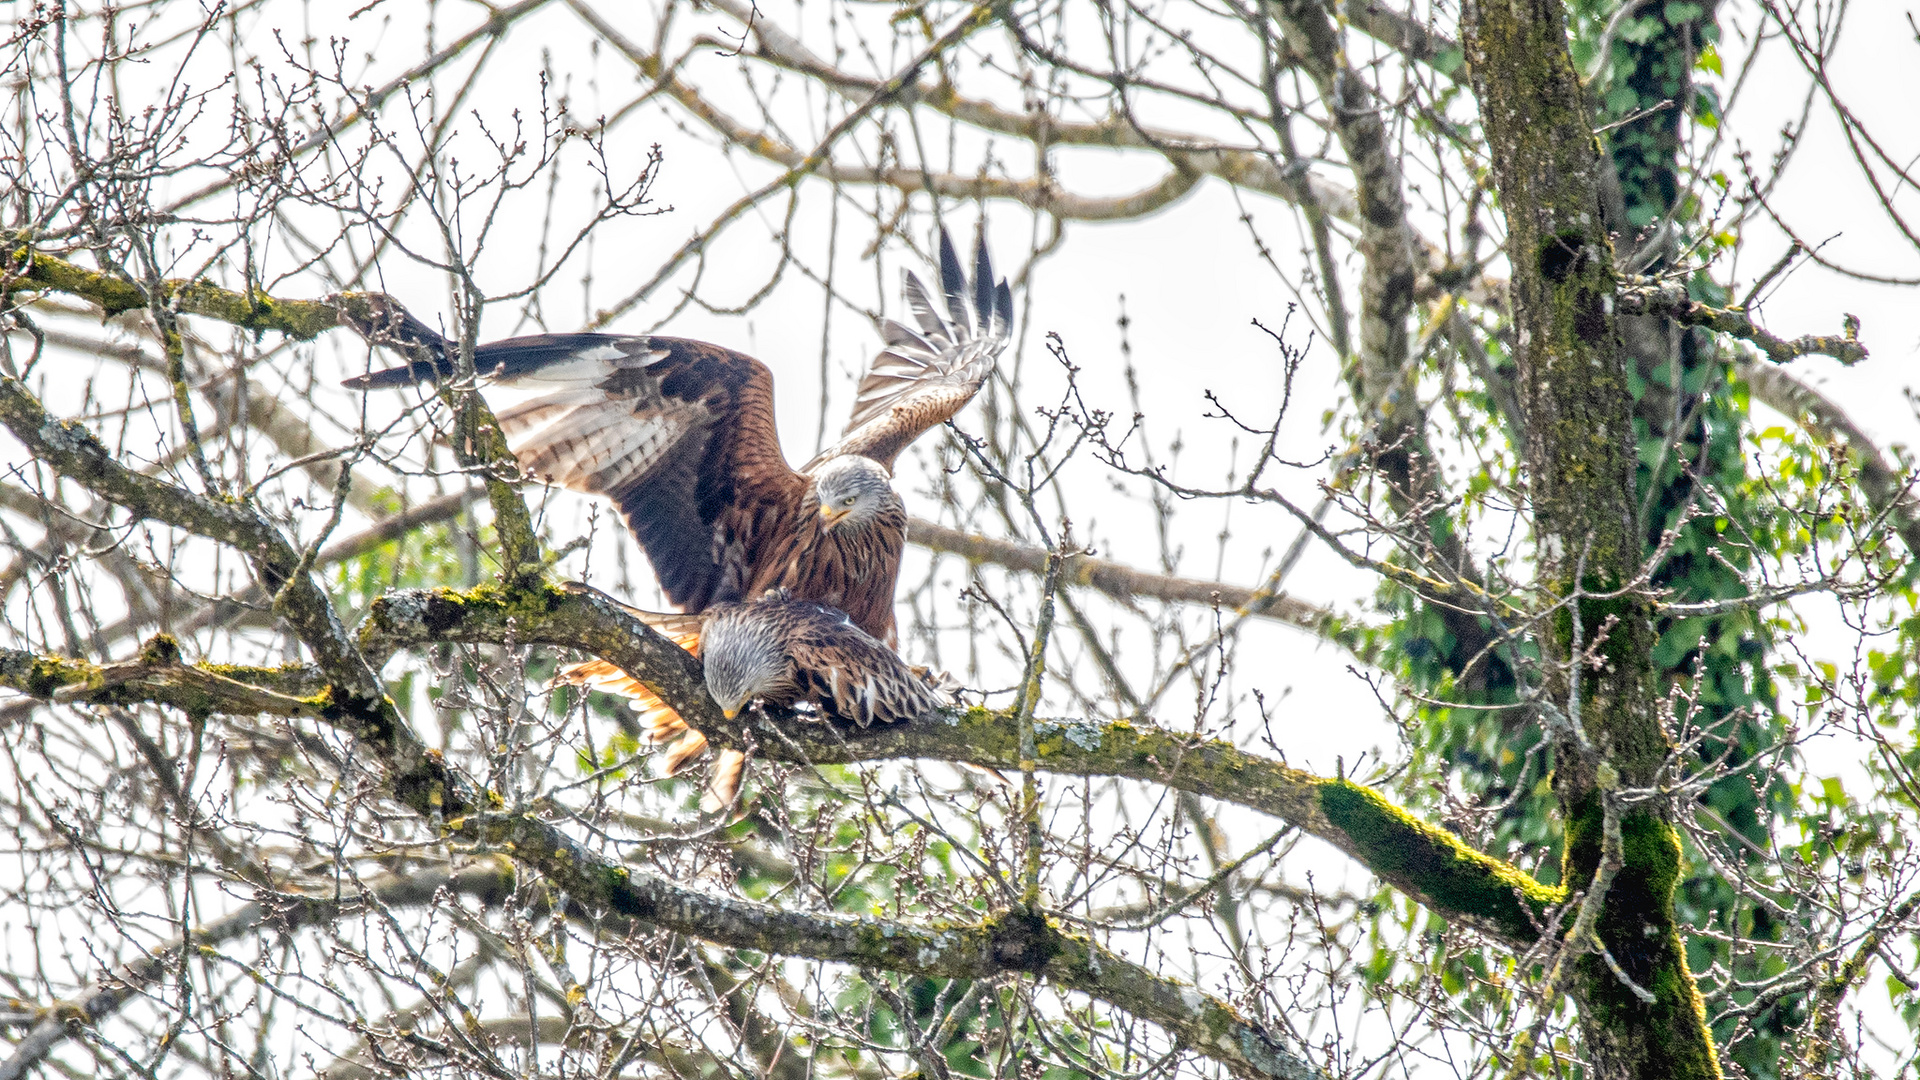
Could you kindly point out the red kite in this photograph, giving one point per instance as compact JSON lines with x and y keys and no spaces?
{"x":781,"y":651}
{"x":680,"y":435}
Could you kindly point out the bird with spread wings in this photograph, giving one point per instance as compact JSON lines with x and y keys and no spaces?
{"x":680,"y":435}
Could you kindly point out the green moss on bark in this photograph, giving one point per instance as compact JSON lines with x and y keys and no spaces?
{"x":252,"y":310}
{"x":1639,"y":931}
{"x":160,"y":650}
{"x":1450,"y":876}
{"x":40,"y":676}
{"x":1579,"y":406}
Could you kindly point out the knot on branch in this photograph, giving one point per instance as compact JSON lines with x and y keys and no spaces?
{"x":161,"y":650}
{"x":1022,"y":941}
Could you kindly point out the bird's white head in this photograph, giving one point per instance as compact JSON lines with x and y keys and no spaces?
{"x":854,"y":492}
{"x":743,"y":660}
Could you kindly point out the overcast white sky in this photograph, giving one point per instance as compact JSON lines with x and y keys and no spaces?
{"x":1192,"y":280}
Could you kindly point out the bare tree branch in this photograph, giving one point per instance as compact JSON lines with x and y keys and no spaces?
{"x":1891,"y":493}
{"x":1124,"y":582}
{"x":491,"y":880}
{"x":499,"y":21}
{"x":1673,"y":302}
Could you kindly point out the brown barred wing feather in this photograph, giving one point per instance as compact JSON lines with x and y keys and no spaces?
{"x":848,"y":674}
{"x":924,"y":376}
{"x":678,"y":433}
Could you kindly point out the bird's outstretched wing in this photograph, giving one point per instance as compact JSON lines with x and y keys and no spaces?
{"x":678,"y":433}
{"x":925,"y":375}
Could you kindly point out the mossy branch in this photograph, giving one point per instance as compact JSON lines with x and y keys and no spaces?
{"x":1673,"y":302}
{"x":584,"y":619}
{"x":1431,"y":865}
{"x":158,"y":677}
{"x":477,"y":443}
{"x":250,"y":310}
{"x":1426,"y":862}
{"x":1003,"y":944}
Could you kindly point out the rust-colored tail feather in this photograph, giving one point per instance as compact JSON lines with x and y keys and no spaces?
{"x":657,"y":720}
{"x":660,"y":725}
{"x":723,"y":779}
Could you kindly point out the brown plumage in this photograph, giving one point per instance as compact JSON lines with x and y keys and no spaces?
{"x":780,"y":651}
{"x":680,"y":435}
{"x":789,"y":652}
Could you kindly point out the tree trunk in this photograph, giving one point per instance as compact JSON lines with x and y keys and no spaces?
{"x":1580,"y":459}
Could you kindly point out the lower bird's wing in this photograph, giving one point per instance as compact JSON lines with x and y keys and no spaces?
{"x":850,"y":674}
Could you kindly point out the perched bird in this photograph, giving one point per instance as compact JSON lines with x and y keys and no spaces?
{"x":680,"y":435}
{"x":784,"y":652}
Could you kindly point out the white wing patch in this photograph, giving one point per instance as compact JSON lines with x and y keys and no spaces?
{"x":589,"y":367}
{"x":584,"y":440}
{"x":611,"y":352}
{"x":579,"y":370}
{"x":578,"y":433}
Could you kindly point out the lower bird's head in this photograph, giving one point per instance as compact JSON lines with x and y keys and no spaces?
{"x":744,"y":659}
{"x":853,"y":492}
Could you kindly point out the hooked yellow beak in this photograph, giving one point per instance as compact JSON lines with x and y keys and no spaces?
{"x":729,"y":713}
{"x":832,"y":515}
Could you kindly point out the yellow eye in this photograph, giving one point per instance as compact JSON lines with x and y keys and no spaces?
{"x":848,"y":501}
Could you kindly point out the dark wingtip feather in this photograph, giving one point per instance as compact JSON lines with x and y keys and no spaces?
{"x":404,"y":375}
{"x":953,"y":282}
{"x":386,"y":322}
{"x":1003,"y":306}
{"x":983,"y":285}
